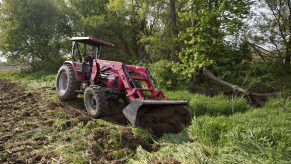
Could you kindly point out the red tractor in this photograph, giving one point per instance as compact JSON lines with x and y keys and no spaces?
{"x":95,"y":78}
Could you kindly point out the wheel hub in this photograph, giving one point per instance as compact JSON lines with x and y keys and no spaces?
{"x":63,"y":82}
{"x":92,"y":102}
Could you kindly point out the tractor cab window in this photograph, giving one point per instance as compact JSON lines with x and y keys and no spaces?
{"x":87,"y":47}
{"x":85,"y":53}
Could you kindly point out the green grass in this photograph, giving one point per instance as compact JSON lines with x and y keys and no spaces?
{"x":223,"y":131}
{"x":257,"y":136}
{"x":73,"y":144}
{"x":212,"y":106}
{"x":34,"y":80}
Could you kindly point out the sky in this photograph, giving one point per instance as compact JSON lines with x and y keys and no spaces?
{"x":2,"y":59}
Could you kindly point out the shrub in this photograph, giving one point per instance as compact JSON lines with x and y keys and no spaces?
{"x":170,"y":75}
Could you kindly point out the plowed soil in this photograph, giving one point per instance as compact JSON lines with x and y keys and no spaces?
{"x":23,"y":112}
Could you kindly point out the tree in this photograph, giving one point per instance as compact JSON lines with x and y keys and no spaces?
{"x":31,"y":32}
{"x":210,"y":22}
{"x":87,"y":17}
{"x":276,"y":27}
{"x":128,"y":21}
{"x":163,"y":28}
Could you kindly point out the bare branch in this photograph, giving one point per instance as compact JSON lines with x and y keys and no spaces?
{"x":232,"y":86}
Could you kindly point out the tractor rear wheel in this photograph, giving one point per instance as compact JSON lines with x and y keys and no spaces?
{"x":95,"y":100}
{"x":66,"y":83}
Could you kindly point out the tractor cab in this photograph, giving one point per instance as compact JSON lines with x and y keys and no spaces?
{"x":84,"y":51}
{"x":91,"y":48}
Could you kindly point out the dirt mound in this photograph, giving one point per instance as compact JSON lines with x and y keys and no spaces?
{"x":163,"y":119}
{"x":132,"y":142}
{"x":113,"y":151}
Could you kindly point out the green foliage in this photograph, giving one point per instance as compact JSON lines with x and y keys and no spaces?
{"x":258,"y":76}
{"x":169,"y":75}
{"x":127,"y":21}
{"x":211,"y":22}
{"x":31,"y":32}
{"x":264,"y":68}
{"x":274,"y":27}
{"x":88,"y":17}
{"x":159,"y":45}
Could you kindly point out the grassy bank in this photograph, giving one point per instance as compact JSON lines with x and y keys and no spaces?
{"x":222,"y":131}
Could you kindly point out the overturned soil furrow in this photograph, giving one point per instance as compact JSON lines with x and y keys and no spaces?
{"x":22,"y":114}
{"x":29,"y":120}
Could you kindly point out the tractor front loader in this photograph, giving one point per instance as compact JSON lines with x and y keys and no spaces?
{"x":96,"y":79}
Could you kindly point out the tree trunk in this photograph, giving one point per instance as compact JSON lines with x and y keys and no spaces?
{"x":173,"y":16}
{"x":140,"y":47}
{"x":288,"y":55}
{"x":288,"y":48}
{"x":287,"y":58}
{"x":175,"y":32}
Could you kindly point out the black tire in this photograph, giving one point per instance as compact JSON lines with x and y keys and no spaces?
{"x":95,"y":100}
{"x":66,"y":88}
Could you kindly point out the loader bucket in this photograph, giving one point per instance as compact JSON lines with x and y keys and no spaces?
{"x":139,"y":109}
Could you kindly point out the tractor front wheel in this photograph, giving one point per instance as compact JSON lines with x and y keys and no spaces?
{"x":95,"y":101}
{"x":66,"y":83}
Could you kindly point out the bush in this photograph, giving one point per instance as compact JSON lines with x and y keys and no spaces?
{"x":170,"y":75}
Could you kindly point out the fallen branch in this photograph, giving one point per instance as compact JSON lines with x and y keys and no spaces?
{"x":209,"y":74}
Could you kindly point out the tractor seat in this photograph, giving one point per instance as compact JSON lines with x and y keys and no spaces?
{"x":89,"y":59}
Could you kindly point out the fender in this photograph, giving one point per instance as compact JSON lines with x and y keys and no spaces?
{"x":79,"y":75}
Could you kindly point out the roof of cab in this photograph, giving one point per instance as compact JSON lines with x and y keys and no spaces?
{"x":91,"y":41}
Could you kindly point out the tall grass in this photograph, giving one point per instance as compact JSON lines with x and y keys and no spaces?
{"x":212,"y":106}
{"x":256,"y":136}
